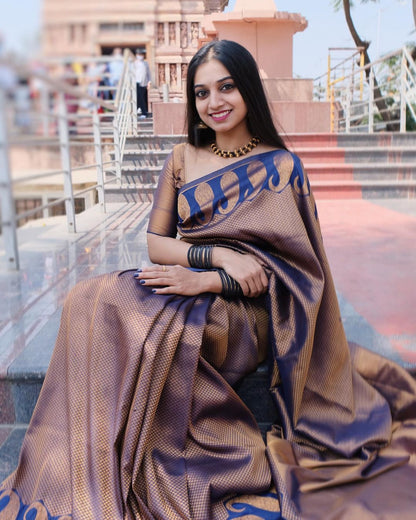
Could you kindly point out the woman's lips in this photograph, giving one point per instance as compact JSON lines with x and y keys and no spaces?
{"x":220,"y":116}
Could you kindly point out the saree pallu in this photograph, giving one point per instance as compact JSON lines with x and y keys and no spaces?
{"x":138,"y":418}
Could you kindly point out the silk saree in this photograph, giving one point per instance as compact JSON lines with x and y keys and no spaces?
{"x":138,"y":417}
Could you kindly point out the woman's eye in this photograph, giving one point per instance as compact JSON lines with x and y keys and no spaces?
{"x":227,"y":86}
{"x":201,"y":93}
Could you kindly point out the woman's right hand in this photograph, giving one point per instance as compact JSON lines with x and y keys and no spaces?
{"x":245,"y":268}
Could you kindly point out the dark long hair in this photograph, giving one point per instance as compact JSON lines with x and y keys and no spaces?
{"x":243,"y":69}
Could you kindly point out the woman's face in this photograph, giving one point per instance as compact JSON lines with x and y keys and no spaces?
{"x":218,"y":101}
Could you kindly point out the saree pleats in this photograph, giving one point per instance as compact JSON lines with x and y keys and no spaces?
{"x":138,"y":417}
{"x":132,"y":421}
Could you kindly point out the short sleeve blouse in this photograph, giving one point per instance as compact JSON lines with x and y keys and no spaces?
{"x":164,"y":215}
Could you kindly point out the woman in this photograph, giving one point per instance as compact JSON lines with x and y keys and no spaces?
{"x":138,"y":417}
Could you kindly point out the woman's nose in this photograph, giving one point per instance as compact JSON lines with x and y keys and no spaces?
{"x":215,"y":100}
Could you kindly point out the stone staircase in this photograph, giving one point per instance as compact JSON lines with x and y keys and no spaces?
{"x":369,"y":166}
{"x":339,"y":166}
{"x":143,"y":160}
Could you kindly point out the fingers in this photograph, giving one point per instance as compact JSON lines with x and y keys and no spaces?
{"x":154,"y":275}
{"x":167,"y":279}
{"x":250,"y":274}
{"x":254,"y":286}
{"x":155,"y":268}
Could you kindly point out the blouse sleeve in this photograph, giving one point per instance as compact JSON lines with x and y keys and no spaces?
{"x":164,"y":216}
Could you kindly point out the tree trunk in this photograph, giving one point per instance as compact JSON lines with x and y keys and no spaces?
{"x":414,"y":11}
{"x":380,"y":103}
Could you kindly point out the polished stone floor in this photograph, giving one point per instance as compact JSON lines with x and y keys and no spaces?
{"x":371,"y":246}
{"x":53,"y":260}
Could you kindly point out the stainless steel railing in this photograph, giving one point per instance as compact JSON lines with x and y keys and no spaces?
{"x":370,"y":98}
{"x":105,"y":115}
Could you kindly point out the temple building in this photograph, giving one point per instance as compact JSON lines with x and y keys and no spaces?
{"x":171,"y":31}
{"x":168,"y":30}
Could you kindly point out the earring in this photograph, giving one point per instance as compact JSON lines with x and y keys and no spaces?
{"x":199,"y":132}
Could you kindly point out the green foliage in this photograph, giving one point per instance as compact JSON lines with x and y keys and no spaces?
{"x":337,"y":4}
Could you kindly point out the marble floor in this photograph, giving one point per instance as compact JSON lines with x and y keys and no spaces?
{"x":53,"y":260}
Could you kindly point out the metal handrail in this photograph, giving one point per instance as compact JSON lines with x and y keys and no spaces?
{"x":120,"y":114}
{"x":367,"y":106}
{"x":125,"y":117}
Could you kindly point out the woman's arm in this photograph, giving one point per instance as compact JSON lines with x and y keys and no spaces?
{"x":167,"y":251}
{"x":245,"y":268}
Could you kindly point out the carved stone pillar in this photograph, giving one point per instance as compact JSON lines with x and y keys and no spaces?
{"x":172,"y":34}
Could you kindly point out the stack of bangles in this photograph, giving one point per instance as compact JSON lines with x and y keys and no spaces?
{"x":200,"y":257}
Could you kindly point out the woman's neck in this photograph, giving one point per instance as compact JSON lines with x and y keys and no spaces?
{"x":232,"y":141}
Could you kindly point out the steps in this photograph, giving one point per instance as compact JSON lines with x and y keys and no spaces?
{"x":354,"y":166}
{"x":346,"y":166}
{"x":143,"y":160}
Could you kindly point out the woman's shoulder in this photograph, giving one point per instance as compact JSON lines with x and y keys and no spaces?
{"x":179,"y":148}
{"x":178,"y":153}
{"x":288,"y":153}
{"x":285,"y":161}
{"x":177,"y":159}
{"x":284,"y":152}
{"x":291,"y":157}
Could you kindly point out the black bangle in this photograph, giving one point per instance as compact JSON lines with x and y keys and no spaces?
{"x":230,"y":287}
{"x":200,"y":256}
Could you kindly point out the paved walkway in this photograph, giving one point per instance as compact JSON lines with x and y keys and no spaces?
{"x":371,"y":246}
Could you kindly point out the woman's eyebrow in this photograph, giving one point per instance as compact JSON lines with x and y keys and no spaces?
{"x":219,"y":81}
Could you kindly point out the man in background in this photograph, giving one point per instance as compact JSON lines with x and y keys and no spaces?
{"x":142,"y":83}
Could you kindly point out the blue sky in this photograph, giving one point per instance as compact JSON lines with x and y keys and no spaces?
{"x":388,"y":24}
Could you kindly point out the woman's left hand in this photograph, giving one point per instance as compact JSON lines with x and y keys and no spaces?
{"x":175,"y":279}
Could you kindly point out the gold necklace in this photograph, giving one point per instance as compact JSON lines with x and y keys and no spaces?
{"x":243,"y":150}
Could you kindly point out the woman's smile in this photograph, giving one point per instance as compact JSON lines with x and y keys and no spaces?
{"x":220,"y":116}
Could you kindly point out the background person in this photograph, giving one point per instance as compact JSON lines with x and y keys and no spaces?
{"x":115,"y":69}
{"x":142,"y":83}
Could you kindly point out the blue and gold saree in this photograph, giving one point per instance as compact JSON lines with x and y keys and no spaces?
{"x":138,"y":417}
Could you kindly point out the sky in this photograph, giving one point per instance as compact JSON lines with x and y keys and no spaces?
{"x":388,"y":24}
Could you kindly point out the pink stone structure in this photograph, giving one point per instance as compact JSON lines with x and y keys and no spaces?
{"x":169,"y":31}
{"x":268,"y":35}
{"x":265,"y":32}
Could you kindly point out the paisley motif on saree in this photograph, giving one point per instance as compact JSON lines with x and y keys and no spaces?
{"x":138,"y":417}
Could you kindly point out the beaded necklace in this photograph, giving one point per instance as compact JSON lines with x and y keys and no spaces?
{"x":243,"y":150}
